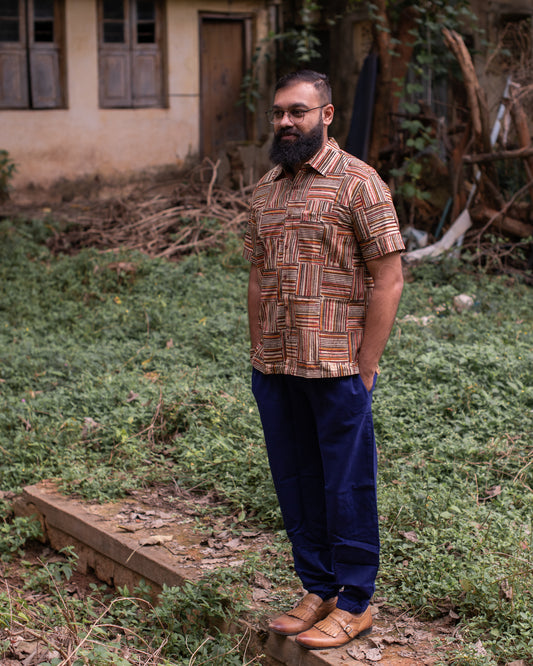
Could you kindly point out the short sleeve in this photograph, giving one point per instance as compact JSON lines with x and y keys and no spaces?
{"x":375,"y":220}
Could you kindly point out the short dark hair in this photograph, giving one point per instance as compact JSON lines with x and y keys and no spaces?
{"x":320,"y":81}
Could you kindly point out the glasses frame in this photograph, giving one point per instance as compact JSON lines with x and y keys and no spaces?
{"x":289,"y":113}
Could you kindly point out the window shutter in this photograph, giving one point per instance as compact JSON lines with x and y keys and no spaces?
{"x":130,"y":59}
{"x":45,"y":77}
{"x":146,"y":77}
{"x":45,"y":32}
{"x":14,"y":93}
{"x":115,"y":78}
{"x":13,"y":78}
{"x":146,"y":27}
{"x":114,"y":55}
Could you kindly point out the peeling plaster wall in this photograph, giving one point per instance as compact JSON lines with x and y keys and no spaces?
{"x":83,"y":139}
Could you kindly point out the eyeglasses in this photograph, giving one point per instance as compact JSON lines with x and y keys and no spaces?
{"x":275,"y":116}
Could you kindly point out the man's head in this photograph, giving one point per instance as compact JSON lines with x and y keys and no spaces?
{"x":301,"y":113}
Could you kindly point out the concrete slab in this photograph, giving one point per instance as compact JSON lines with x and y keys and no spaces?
{"x":117,"y":556}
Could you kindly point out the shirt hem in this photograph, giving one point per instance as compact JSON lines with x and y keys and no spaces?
{"x":323,"y":371}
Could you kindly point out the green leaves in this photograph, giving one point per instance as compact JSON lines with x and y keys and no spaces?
{"x":14,"y":534}
{"x":7,"y":171}
{"x":108,"y":384}
{"x":453,"y":420}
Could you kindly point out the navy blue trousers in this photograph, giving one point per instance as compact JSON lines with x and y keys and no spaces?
{"x":321,"y":448}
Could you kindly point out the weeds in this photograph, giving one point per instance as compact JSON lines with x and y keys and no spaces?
{"x":7,"y":171}
{"x":15,"y":532}
{"x":124,"y":629}
{"x":109,"y":381}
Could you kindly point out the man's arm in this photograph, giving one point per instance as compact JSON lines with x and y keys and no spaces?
{"x":388,"y":284}
{"x":254,"y":299}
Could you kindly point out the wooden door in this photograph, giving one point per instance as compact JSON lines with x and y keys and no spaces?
{"x":222,"y":66}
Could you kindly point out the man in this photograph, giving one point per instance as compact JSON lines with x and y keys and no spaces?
{"x":325,"y":282}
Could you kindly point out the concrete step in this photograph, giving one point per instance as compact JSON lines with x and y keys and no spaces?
{"x":118,"y":558}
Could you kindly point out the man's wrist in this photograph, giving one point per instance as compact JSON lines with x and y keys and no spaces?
{"x":367,"y":369}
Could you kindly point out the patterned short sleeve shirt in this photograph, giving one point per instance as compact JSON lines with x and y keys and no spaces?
{"x":310,"y":238}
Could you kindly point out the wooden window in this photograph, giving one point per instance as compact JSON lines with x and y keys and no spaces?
{"x":130,"y":53}
{"x":31,"y":75}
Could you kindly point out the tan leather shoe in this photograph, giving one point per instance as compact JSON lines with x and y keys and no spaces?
{"x":338,"y":628}
{"x":310,"y":610}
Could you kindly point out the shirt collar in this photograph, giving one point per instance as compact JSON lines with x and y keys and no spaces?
{"x":321,"y":161}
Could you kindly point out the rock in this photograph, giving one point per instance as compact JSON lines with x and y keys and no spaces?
{"x":463,"y":302}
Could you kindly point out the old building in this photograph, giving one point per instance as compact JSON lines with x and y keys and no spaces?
{"x":114,"y":86}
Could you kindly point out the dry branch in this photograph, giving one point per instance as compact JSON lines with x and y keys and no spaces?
{"x":526,"y":229}
{"x":521,"y":124}
{"x":477,"y":100}
{"x":479,"y":113}
{"x":191,"y":216}
{"x":504,"y":223}
{"x":517,"y":153}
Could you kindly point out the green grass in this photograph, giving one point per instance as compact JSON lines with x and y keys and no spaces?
{"x":117,"y":371}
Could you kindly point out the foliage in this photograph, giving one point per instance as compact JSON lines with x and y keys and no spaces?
{"x":456,"y":458}
{"x":432,"y":66}
{"x":15,"y":533}
{"x":7,"y":171}
{"x":303,"y":42}
{"x":127,"y":629}
{"x":249,"y":88}
{"x":110,"y":382}
{"x":301,"y":46}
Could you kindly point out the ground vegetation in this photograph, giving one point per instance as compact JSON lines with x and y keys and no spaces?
{"x":120,"y":371}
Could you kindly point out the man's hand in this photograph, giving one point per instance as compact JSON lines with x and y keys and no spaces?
{"x":367,"y":378}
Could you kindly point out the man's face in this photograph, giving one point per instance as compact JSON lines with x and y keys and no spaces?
{"x":297,"y":140}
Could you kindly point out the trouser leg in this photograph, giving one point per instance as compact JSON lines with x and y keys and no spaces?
{"x":343,"y":416}
{"x":322,"y":453}
{"x":296,"y":467}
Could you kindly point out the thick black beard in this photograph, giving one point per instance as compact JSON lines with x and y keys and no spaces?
{"x":291,"y":154}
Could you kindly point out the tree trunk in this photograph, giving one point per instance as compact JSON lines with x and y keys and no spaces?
{"x":477,"y":100}
{"x":381,"y":120}
{"x":522,"y":130}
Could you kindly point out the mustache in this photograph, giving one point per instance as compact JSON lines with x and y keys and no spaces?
{"x":288,"y":131}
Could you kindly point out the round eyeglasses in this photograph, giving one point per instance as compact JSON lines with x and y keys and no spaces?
{"x":275,"y":116}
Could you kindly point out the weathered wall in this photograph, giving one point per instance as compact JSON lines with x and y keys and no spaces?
{"x":84,"y":139}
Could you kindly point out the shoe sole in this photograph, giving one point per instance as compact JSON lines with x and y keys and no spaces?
{"x":281,"y":633}
{"x":364,"y":633}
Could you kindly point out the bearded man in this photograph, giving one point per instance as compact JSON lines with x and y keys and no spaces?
{"x":325,"y":282}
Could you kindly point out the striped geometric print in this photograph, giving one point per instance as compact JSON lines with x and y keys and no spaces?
{"x":310,"y":237}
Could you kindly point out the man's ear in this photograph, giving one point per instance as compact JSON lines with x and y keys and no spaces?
{"x":327,"y":114}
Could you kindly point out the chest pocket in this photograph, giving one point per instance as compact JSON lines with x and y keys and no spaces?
{"x":311,"y":236}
